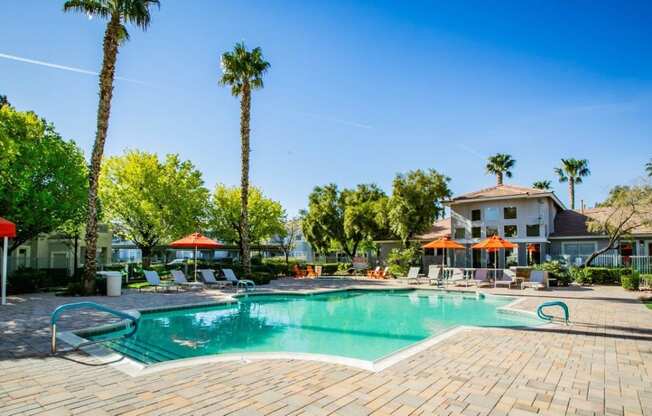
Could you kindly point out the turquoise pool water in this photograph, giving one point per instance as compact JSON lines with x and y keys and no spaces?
{"x":365,"y":325}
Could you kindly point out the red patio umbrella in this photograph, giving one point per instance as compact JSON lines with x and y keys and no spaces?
{"x":444,"y":243}
{"x":196,"y":241}
{"x":492,"y":245}
{"x":7,"y":231}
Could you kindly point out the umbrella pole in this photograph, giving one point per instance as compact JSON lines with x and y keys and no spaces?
{"x":195,"y":263}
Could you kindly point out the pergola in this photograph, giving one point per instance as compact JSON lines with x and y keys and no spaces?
{"x":7,"y":231}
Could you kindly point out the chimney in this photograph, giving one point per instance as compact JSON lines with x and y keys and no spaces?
{"x":582,"y":206}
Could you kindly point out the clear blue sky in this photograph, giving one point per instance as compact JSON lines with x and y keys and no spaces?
{"x":357,"y":91}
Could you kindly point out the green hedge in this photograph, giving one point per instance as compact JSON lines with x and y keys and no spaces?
{"x":630,"y":281}
{"x":556,"y":270}
{"x":600,"y":275}
{"x":28,"y":280}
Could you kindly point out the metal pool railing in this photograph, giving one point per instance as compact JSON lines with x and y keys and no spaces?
{"x":88,"y":305}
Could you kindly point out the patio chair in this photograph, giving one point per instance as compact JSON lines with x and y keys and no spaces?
{"x":373,"y":273}
{"x":457,"y":276}
{"x":310,"y":272}
{"x":413,"y":275}
{"x":155,"y":281}
{"x":507,"y":278}
{"x":318,"y":270}
{"x":481,"y":277}
{"x":537,"y":280}
{"x":435,"y":275}
{"x":297,"y":271}
{"x":246,"y":284}
{"x":180,"y":279}
{"x":209,"y":279}
{"x":383,"y":273}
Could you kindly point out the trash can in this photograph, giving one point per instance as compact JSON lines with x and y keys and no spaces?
{"x":113,"y":283}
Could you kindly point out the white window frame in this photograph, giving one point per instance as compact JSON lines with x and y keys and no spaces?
{"x":566,"y":243}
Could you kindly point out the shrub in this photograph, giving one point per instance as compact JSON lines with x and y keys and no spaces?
{"x":603,"y":275}
{"x":581,"y":275}
{"x":630,"y":281}
{"x":556,"y":270}
{"x":399,"y":261}
{"x":25,"y":280}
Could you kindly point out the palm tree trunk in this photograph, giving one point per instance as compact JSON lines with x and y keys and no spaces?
{"x":499,"y":178}
{"x":103,"y":111}
{"x":245,"y":112}
{"x":571,"y":191}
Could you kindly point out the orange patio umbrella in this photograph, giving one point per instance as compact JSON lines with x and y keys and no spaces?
{"x":444,"y":243}
{"x":492,"y":245}
{"x":196,"y":241}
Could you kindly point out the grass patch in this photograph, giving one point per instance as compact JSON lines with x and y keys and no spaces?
{"x":648,"y":303}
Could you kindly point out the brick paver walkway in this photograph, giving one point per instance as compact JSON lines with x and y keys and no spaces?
{"x":601,"y":364}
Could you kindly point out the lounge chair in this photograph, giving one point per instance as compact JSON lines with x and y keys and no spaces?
{"x":435,"y":275}
{"x":318,"y":270}
{"x":246,"y":284}
{"x":180,"y":279}
{"x":537,"y":280}
{"x":383,"y":273}
{"x":457,"y":276}
{"x":481,"y":277}
{"x":155,"y":281}
{"x":506,"y":280}
{"x":209,"y":279}
{"x":413,"y":275}
{"x":373,"y":273}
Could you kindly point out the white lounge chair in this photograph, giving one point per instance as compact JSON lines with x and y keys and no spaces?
{"x":435,"y":275}
{"x":180,"y":279}
{"x":244,"y":283}
{"x":506,"y":280}
{"x":457,"y":276}
{"x":412,"y":276}
{"x":538,"y":280}
{"x":481,"y":277}
{"x":208,"y":277}
{"x":155,"y":281}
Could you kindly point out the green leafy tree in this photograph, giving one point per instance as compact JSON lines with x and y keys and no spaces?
{"x":572,"y":171}
{"x":243,"y":71}
{"x":265,"y":217}
{"x":543,"y":185}
{"x":648,"y":168}
{"x":43,"y":178}
{"x":4,"y":101}
{"x":500,"y":165}
{"x":117,"y":13}
{"x":415,"y":203}
{"x":286,"y":239}
{"x":152,"y":202}
{"x":342,"y":219}
{"x":627,"y":209}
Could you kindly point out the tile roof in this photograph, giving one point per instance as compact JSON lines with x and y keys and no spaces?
{"x":500,"y":191}
{"x":570,"y":223}
{"x":439,"y":229}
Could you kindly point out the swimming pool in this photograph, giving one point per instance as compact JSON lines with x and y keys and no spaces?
{"x":357,"y":324}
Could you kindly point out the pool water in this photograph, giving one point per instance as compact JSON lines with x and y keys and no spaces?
{"x":366,"y":325}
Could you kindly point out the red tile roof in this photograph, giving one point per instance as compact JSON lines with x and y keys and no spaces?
{"x":439,"y":229}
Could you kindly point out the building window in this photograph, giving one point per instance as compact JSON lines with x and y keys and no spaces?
{"x":491,"y":214}
{"x":578,"y":249}
{"x":475,"y":232}
{"x":511,"y":257}
{"x":428,"y":251}
{"x":510,"y":231}
{"x":475,"y":215}
{"x":509,"y":213}
{"x":532,"y":230}
{"x":460,"y":233}
{"x":492,"y":231}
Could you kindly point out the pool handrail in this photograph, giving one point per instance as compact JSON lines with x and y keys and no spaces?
{"x":545,"y":316}
{"x":88,"y":305}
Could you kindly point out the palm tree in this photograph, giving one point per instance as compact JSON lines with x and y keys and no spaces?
{"x":117,"y":13}
{"x":572,"y":171}
{"x":499,"y":165}
{"x":544,"y":185}
{"x":648,"y":168}
{"x":243,"y":71}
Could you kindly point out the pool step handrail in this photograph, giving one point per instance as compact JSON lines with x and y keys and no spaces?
{"x":546,"y":317}
{"x":89,"y":305}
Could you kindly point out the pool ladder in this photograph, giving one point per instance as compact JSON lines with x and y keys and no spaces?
{"x":88,"y":305}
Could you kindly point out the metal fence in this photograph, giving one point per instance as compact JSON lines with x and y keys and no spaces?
{"x":642,"y":264}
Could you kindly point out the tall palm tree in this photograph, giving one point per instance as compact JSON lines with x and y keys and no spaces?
{"x":544,"y":185}
{"x":499,"y":165}
{"x":243,"y":71}
{"x":648,"y":168}
{"x":572,"y":171}
{"x":117,"y":13}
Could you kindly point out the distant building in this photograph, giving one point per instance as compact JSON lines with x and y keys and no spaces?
{"x":54,"y":251}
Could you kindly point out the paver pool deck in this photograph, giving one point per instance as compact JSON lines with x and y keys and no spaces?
{"x":599,"y":365}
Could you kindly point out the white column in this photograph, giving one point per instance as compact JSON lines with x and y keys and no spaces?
{"x":4,"y":272}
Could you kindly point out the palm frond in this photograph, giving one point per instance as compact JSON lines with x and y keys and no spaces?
{"x":99,"y":8}
{"x":241,"y":66}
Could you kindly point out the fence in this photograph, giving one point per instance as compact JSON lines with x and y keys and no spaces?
{"x":642,"y":264}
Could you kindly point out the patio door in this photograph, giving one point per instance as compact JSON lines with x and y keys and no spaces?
{"x":477,"y":258}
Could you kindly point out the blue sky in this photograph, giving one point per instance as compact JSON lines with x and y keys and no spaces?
{"x":357,"y":91}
